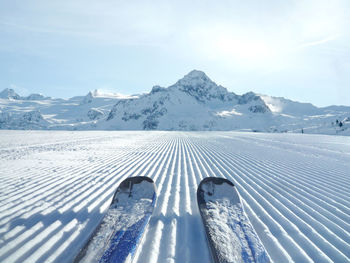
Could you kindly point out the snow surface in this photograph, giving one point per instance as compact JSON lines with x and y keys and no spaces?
{"x":55,"y":187}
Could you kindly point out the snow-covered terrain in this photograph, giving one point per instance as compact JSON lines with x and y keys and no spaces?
{"x":49,"y":113}
{"x":194,"y":102}
{"x":56,"y":185}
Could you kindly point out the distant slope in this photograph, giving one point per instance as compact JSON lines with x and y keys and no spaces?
{"x":194,"y":102}
{"x":57,"y":113}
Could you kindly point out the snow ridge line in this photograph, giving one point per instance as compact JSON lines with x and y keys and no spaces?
{"x":193,"y":220}
{"x":246,"y":173}
{"x":51,"y":184}
{"x":69,"y":171}
{"x":61,"y":181}
{"x":303,"y":226}
{"x":280,"y":237}
{"x":293,"y":173}
{"x":141,"y":159}
{"x":292,"y":176}
{"x":319,"y":166}
{"x":283,"y":185}
{"x":168,"y":238}
{"x":153,"y":242}
{"x":135,"y":169}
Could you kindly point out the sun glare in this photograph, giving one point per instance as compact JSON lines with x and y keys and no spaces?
{"x":246,"y":49}
{"x":243,"y":49}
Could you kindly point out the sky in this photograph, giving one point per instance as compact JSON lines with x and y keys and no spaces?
{"x":299,"y":50}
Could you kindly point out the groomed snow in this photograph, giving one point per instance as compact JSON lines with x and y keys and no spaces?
{"x":55,"y":187}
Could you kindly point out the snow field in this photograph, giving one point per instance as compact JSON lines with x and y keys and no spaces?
{"x":55,"y":187}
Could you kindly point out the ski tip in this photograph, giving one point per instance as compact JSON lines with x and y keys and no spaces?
{"x":135,"y":180}
{"x":202,"y":191}
{"x":215,"y":180}
{"x":128,"y":184}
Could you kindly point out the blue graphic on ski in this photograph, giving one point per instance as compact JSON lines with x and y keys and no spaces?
{"x":121,"y":229}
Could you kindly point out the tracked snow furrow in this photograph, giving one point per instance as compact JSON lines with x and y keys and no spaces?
{"x":182,"y":230}
{"x":184,"y":247}
{"x":92,"y":192}
{"x":305,"y":188}
{"x":128,"y":169}
{"x":150,"y":250}
{"x":303,"y":227}
{"x":301,"y":147}
{"x":307,"y":213}
{"x":185,"y":185}
{"x":145,"y":158}
{"x":345,"y":248}
{"x":76,"y":172}
{"x":319,"y":166}
{"x":167,"y":243}
{"x":293,"y":174}
{"x":294,"y":189}
{"x":282,"y":229}
{"x":51,"y":191}
{"x":296,"y":214}
{"x":307,"y":178}
{"x":303,"y":203}
{"x":191,"y":179}
{"x":276,"y":178}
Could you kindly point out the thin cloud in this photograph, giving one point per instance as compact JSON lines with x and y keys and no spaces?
{"x":319,"y":42}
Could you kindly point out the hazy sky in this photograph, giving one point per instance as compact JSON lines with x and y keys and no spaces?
{"x":295,"y":49}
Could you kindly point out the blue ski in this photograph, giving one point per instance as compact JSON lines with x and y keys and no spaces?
{"x":230,"y":235}
{"x":117,"y":236}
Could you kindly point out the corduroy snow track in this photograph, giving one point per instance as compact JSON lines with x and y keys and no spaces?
{"x":55,"y":187}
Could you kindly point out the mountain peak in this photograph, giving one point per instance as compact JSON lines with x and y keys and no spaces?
{"x":196,"y":74}
{"x":195,"y":78}
{"x":9,"y":94}
{"x":197,"y":84}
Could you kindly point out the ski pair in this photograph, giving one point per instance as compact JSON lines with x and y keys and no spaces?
{"x":230,"y":235}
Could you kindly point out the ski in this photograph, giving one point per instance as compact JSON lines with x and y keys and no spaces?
{"x":230,"y":235}
{"x":121,"y":229}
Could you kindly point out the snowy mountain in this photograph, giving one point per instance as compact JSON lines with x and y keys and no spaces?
{"x":9,"y":94}
{"x":58,"y":114}
{"x":194,"y":102}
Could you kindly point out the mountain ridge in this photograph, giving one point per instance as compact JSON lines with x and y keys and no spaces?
{"x":194,"y":102}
